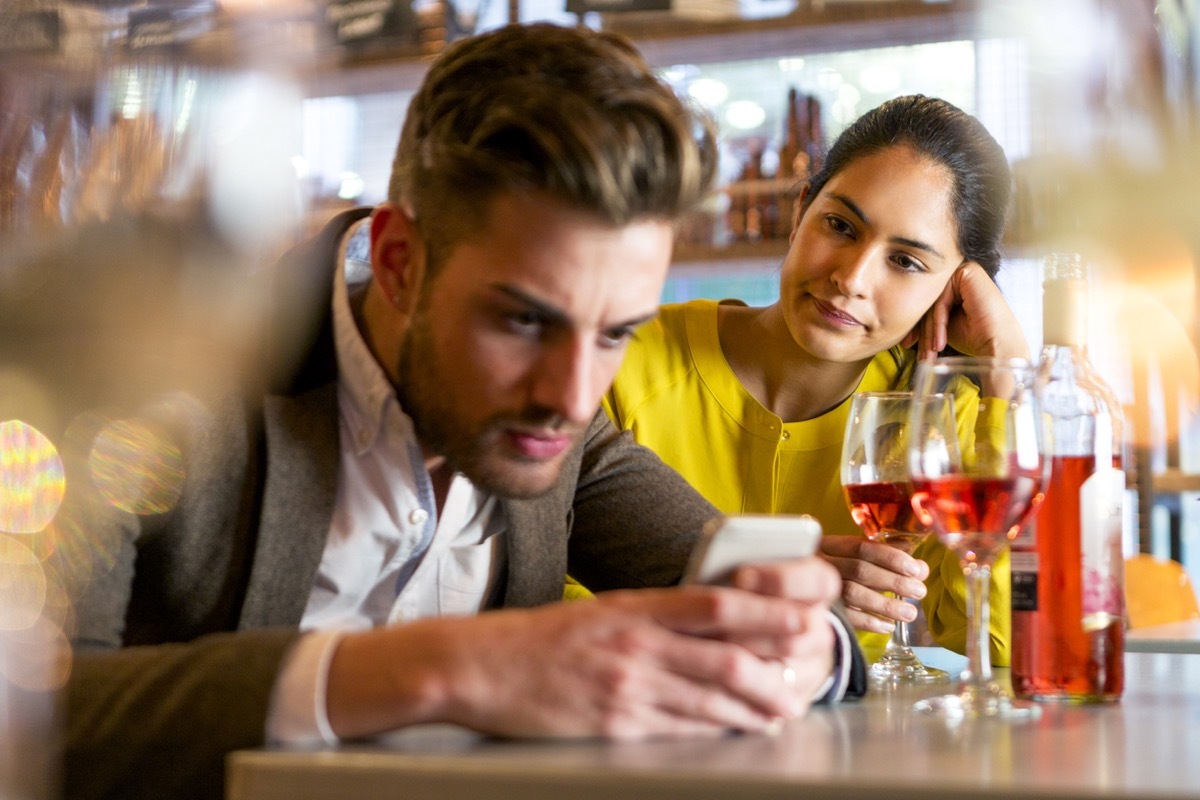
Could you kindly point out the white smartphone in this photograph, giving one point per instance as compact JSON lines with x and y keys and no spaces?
{"x":729,"y":542}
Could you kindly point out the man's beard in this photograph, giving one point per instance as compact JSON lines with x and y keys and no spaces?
{"x":479,"y":450}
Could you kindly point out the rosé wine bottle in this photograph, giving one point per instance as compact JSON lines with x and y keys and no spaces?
{"x":1067,"y":566}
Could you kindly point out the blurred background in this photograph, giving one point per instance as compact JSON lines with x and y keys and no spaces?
{"x":156,"y":156}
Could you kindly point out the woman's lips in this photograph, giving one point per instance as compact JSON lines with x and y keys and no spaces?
{"x":835,"y":316}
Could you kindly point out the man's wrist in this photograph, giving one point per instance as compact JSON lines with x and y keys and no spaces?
{"x":388,"y":678}
{"x":297,"y":713}
{"x":834,"y":688}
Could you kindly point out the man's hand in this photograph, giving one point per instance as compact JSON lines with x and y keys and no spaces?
{"x":628,"y":665}
{"x":869,"y":569}
{"x":815,"y":585}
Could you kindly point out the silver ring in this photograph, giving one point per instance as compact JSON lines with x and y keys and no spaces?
{"x":789,"y":675}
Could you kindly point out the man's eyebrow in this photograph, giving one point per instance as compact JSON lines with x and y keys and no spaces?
{"x":543,"y":308}
{"x":557,"y":315}
{"x":858,"y":212}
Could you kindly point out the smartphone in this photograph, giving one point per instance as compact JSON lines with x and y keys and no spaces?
{"x":729,"y":542}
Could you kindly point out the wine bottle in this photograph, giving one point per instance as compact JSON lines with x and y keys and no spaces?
{"x":1067,"y":565}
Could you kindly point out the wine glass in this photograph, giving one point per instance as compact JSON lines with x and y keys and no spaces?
{"x":877,"y":488}
{"x":976,"y":497}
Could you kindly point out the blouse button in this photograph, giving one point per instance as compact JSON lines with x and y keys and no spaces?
{"x":418,"y":516}
{"x":785,"y":435}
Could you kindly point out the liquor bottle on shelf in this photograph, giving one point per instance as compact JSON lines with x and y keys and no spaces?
{"x":735,"y":214}
{"x":815,"y":138}
{"x":789,"y":154}
{"x":1067,"y":566}
{"x":752,"y":178}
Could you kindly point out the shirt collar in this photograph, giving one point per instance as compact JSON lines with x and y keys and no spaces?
{"x":364,"y":390}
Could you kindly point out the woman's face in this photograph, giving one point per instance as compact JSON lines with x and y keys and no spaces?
{"x":871,"y":253}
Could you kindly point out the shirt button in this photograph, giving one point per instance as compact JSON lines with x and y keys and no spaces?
{"x":418,"y":516}
{"x":785,"y":435}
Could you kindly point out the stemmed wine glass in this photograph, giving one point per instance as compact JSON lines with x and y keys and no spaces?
{"x":876,"y":484}
{"x":976,"y":497}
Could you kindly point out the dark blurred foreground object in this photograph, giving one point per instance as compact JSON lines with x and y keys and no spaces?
{"x":145,"y":174}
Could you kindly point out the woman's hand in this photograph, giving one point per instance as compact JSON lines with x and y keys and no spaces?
{"x":869,"y":569}
{"x":972,"y":316}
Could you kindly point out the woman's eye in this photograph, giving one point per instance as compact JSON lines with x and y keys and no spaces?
{"x":840,"y":226}
{"x":909,"y":264}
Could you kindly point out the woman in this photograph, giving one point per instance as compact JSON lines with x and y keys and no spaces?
{"x":893,"y":248}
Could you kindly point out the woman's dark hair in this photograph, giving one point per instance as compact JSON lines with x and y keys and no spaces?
{"x":949,"y":136}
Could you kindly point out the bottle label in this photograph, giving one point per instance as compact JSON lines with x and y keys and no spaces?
{"x":1101,"y":508}
{"x":1024,"y":579}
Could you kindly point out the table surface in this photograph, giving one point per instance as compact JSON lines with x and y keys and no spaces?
{"x":1141,"y":747}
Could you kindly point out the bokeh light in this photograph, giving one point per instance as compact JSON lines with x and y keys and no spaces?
{"x":709,"y":92}
{"x":73,"y":556}
{"x":22,"y":585}
{"x":744,"y":114}
{"x":38,"y":658}
{"x":31,"y":478}
{"x":136,"y":467}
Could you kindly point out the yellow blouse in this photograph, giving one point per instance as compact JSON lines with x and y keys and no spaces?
{"x":678,"y":396}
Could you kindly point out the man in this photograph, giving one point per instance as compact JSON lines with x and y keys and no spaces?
{"x":433,"y":448}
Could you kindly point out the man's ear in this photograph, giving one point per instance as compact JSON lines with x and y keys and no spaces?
{"x":397,"y":255}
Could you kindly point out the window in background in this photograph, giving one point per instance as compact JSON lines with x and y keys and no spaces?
{"x":756,"y":283}
{"x":331,"y":130}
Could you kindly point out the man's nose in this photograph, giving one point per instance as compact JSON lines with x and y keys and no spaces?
{"x":567,"y":380}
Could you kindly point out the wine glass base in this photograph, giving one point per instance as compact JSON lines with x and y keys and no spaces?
{"x":889,"y":672}
{"x":973,"y":702}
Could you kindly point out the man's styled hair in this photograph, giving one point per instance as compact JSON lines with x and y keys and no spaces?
{"x":571,"y":113}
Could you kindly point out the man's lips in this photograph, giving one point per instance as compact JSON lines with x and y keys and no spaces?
{"x":539,"y":445}
{"x":834,"y":315}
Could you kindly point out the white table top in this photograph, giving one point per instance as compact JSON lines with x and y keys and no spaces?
{"x":1139,"y":748}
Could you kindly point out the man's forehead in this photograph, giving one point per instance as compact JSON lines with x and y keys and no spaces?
{"x":543,"y":254}
{"x":549,"y":309}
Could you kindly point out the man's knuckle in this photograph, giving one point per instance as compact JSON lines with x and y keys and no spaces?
{"x":859,"y":571}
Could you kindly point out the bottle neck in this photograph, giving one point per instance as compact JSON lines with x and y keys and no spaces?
{"x":1064,"y":313}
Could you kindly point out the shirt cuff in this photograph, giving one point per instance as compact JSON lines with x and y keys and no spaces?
{"x":834,"y":688}
{"x":298,"y":713}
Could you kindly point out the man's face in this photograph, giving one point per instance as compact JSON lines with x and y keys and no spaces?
{"x":516,"y":337}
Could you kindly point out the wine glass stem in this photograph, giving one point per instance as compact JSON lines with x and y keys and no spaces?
{"x":899,"y":643}
{"x":979,"y":660}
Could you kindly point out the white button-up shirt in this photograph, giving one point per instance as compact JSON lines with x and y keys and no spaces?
{"x":390,"y":556}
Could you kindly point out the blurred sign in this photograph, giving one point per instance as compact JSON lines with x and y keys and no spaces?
{"x":358,"y":22}
{"x":34,"y":32}
{"x":616,"y":6}
{"x":166,"y":27}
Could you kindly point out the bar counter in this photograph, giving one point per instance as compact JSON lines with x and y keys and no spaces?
{"x":1142,"y":747}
